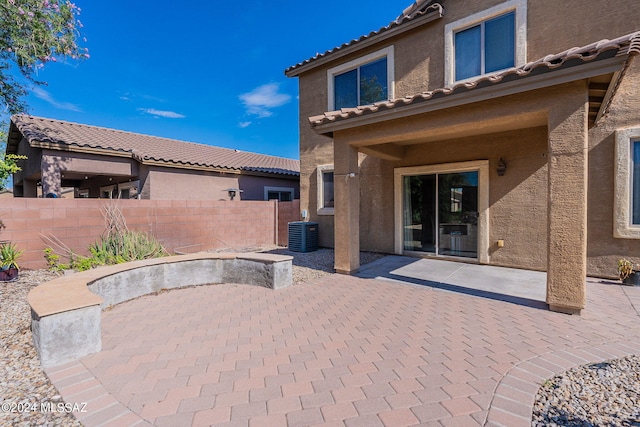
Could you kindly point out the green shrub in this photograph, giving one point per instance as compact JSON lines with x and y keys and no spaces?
{"x":116,"y":248}
{"x":9,"y":255}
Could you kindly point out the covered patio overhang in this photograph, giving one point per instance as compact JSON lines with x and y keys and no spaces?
{"x":566,"y":98}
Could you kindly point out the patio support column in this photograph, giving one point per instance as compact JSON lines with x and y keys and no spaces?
{"x":347,"y":207}
{"x":51,"y":177}
{"x":567,"y":199}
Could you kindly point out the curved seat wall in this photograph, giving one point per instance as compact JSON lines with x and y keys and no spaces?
{"x":65,"y":312}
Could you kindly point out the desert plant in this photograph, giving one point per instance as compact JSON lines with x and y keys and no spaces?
{"x":9,"y":255}
{"x":53,"y":261}
{"x":625,"y":268}
{"x":118,"y":247}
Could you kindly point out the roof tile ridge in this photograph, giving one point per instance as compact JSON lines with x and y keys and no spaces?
{"x":120,"y":131}
{"x":425,"y":7}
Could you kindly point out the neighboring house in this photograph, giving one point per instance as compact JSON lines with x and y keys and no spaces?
{"x":501,"y":132}
{"x":109,"y":163}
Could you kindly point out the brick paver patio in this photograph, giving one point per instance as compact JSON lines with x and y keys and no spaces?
{"x":338,"y":351}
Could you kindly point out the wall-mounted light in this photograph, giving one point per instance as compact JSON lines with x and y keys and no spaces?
{"x":502,"y":167}
{"x":232,"y":192}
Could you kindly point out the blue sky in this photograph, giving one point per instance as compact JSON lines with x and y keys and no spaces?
{"x":208,"y":72}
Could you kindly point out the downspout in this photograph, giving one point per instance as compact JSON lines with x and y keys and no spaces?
{"x":276,"y":220}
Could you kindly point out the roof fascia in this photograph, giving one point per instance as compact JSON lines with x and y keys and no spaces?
{"x":270,"y":175}
{"x":498,"y":90}
{"x":359,"y":45}
{"x":149,"y":162}
{"x":14,"y":137}
{"x":77,"y":149}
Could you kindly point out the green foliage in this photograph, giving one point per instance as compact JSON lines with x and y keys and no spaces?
{"x":626,"y":268}
{"x":8,"y":166}
{"x":9,"y":255}
{"x":8,"y":162}
{"x":116,"y":248}
{"x":32,"y":33}
{"x":53,"y":261}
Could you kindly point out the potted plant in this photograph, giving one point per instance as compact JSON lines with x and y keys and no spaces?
{"x":9,"y":255}
{"x":628,"y":273}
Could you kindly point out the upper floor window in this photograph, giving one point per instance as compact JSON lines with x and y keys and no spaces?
{"x":486,"y":47}
{"x":489,"y":41}
{"x":362,"y":81}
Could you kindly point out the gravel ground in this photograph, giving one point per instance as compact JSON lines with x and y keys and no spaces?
{"x":602,"y":394}
{"x":312,"y":265}
{"x":23,"y":384}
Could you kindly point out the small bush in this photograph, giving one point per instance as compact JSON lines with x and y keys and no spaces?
{"x":117,"y":248}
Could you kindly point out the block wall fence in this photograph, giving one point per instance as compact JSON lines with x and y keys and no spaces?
{"x":183,"y":226}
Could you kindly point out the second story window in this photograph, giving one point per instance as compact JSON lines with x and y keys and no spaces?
{"x":486,"y":47}
{"x":363,"y":81}
{"x":485,"y":42}
{"x":363,"y":85}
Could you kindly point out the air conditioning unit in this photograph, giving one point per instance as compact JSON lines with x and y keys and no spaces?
{"x":303,"y":236}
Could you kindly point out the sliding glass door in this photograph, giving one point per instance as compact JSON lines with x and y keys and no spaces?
{"x":440,"y":213}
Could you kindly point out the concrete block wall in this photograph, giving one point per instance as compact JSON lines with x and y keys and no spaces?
{"x":185,"y":226}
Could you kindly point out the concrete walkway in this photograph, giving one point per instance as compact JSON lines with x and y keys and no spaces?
{"x":507,"y":284}
{"x":341,"y":350}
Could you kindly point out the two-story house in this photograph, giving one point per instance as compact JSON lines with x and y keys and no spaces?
{"x":500,"y":132}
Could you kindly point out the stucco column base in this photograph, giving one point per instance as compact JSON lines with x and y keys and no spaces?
{"x":347,"y":272}
{"x":347,"y":207}
{"x":563,"y":309}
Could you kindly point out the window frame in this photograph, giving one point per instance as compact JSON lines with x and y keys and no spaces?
{"x":480,"y":166}
{"x":279,"y":190}
{"x":519,"y":7}
{"x":321,"y":209}
{"x":356,"y":63}
{"x":623,"y":227}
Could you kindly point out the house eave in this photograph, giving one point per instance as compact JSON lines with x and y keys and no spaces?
{"x":363,"y":44}
{"x":128,"y":154}
{"x":497,"y":90}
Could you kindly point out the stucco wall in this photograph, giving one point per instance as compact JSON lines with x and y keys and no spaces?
{"x":518,"y":200}
{"x":169,"y":184}
{"x":253,"y":186}
{"x":178,"y":184}
{"x":604,"y":250}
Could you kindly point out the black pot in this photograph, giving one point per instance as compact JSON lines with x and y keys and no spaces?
{"x":632,"y":280}
{"x":8,"y":274}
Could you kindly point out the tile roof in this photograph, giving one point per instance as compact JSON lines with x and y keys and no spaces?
{"x":416,"y":10}
{"x":146,"y":149}
{"x":625,"y":45}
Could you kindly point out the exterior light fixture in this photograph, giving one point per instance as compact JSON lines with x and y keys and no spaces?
{"x":502,"y":167}
{"x":232,"y":192}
